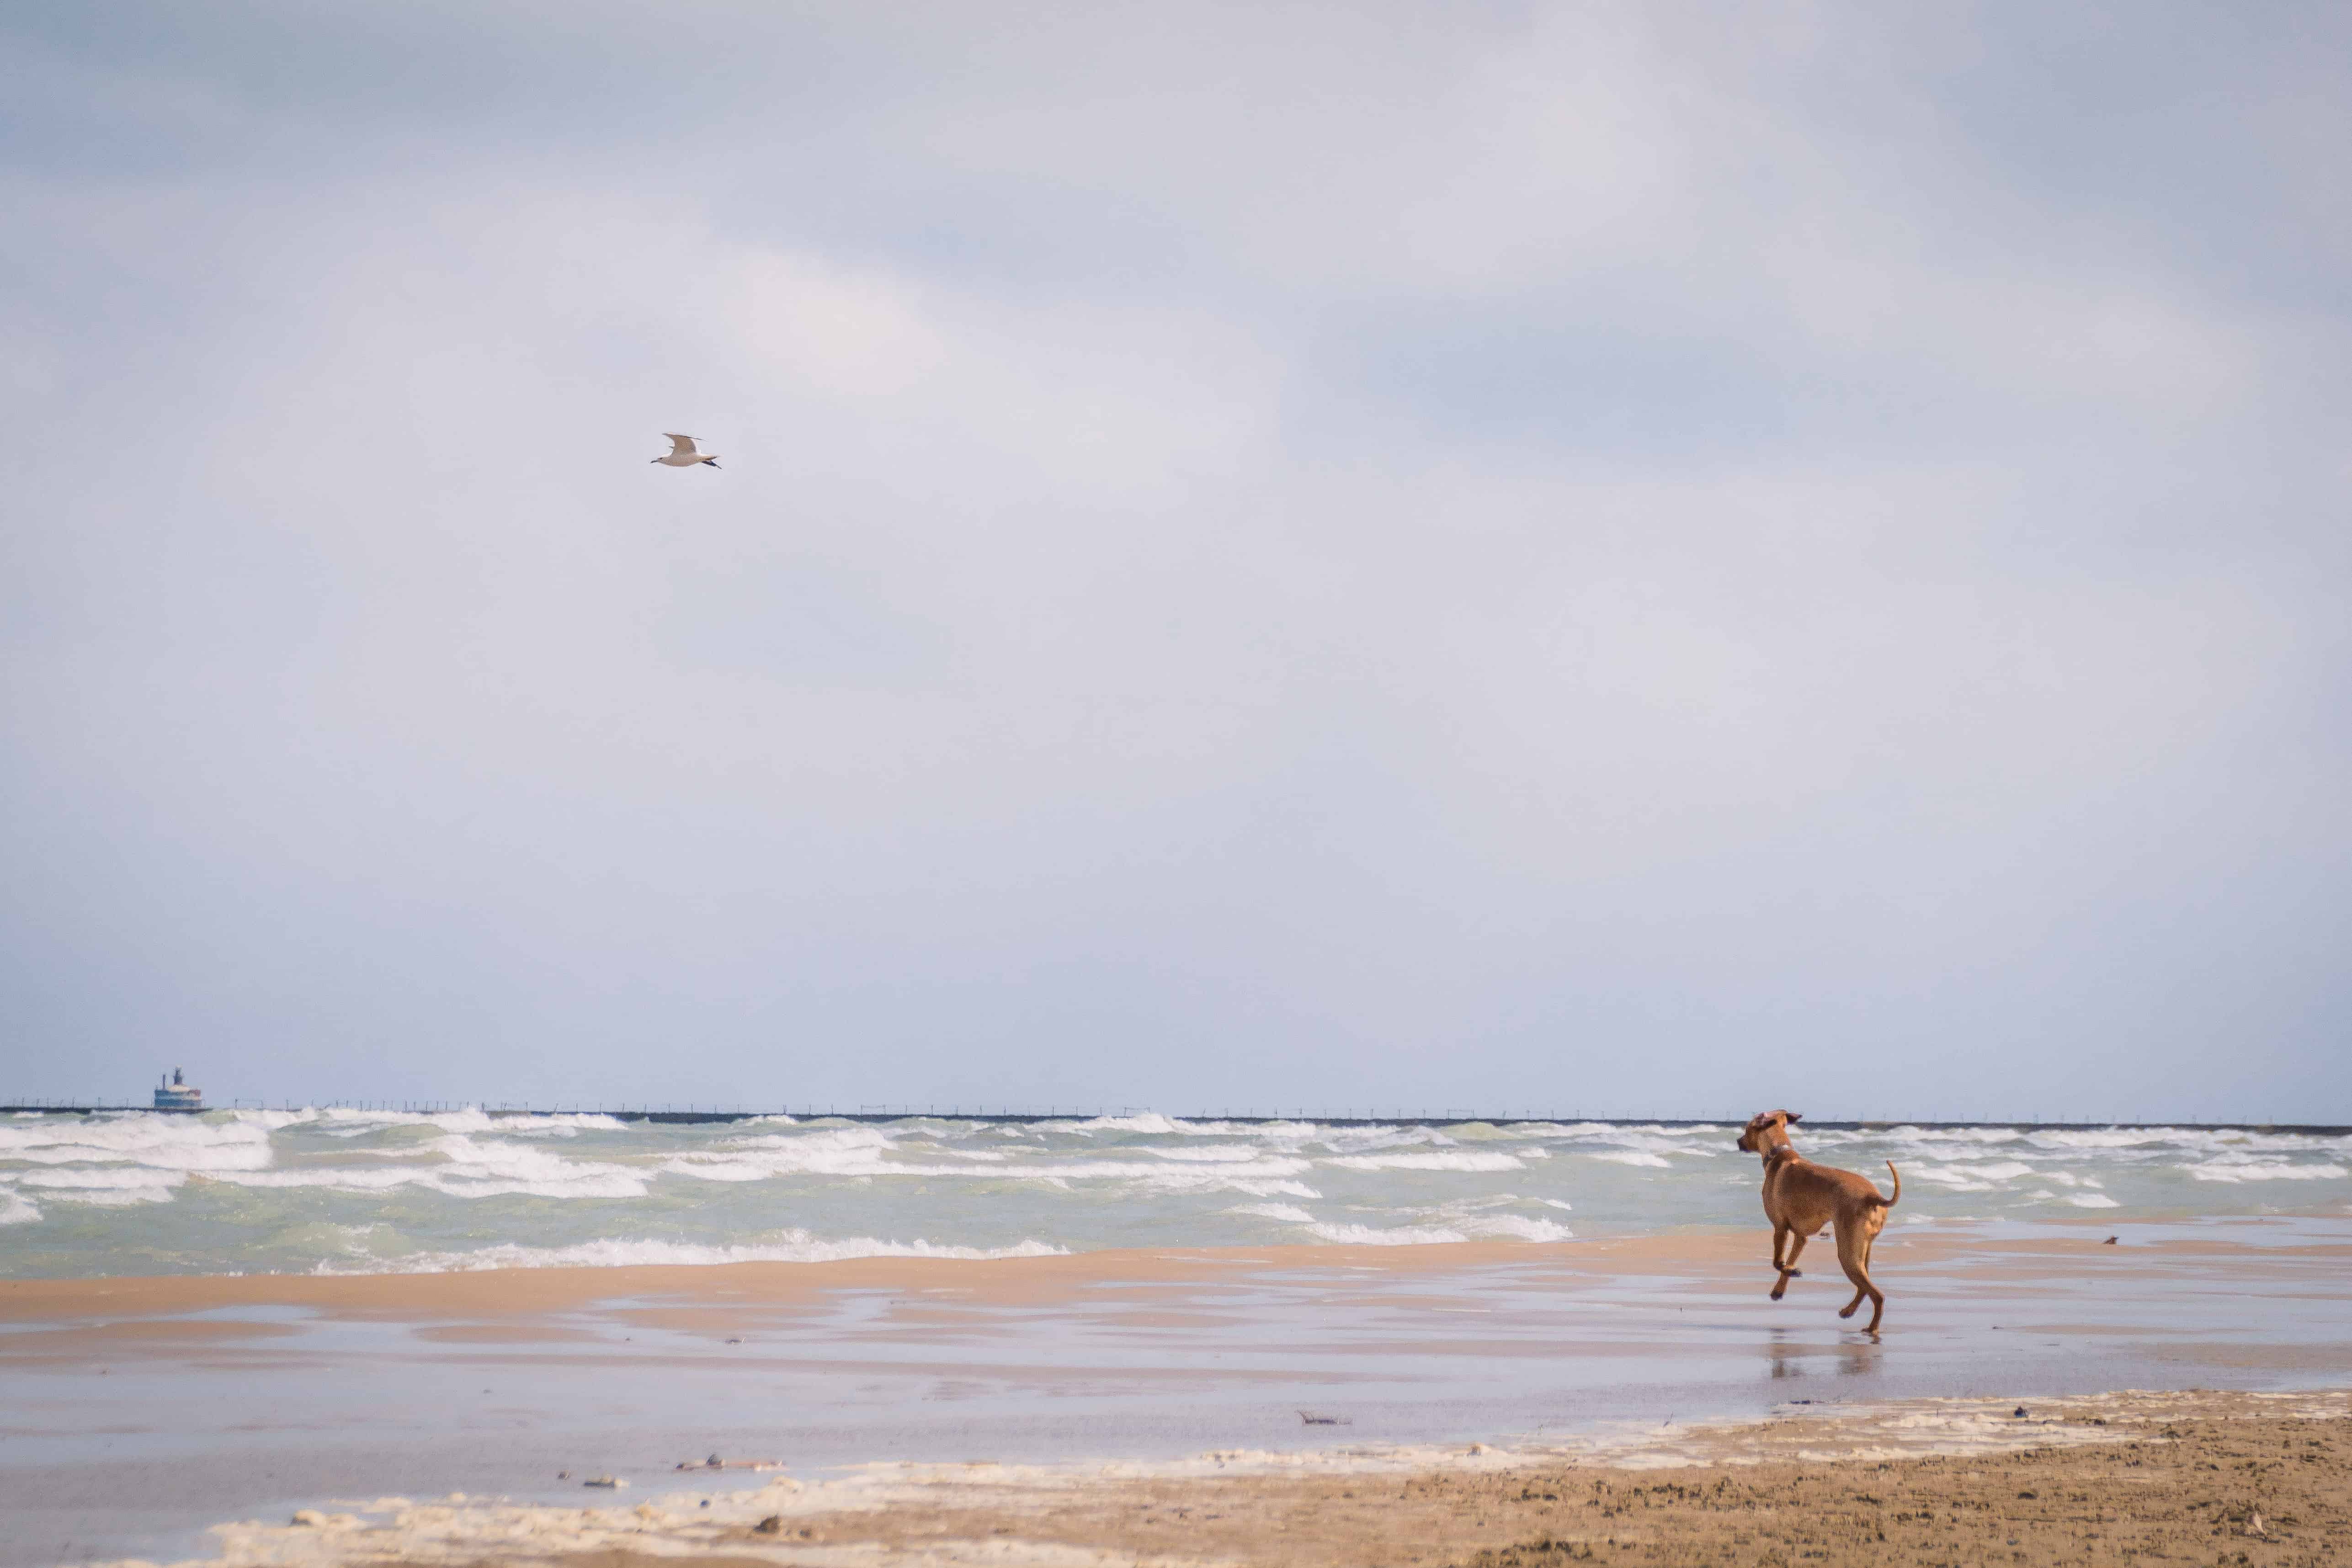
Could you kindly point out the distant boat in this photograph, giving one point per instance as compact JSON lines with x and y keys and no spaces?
{"x":176,"y":1093}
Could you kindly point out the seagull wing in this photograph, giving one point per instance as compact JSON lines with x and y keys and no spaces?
{"x":680,"y":446}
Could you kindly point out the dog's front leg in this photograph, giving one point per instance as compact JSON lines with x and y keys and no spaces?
{"x":1789,"y":1270}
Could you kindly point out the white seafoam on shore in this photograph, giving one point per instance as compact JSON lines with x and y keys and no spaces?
{"x":342,"y":1190}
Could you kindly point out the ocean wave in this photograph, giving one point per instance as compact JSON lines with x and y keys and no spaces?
{"x":1501,"y":1226}
{"x":467,"y":1119}
{"x":869,"y":1152}
{"x":163,"y":1143}
{"x":1465,"y":1161}
{"x":1971,"y":1178}
{"x":1394,"y":1236}
{"x":450,"y":1183}
{"x":1149,"y":1122}
{"x":470,"y":1168}
{"x":1707,"y":1142}
{"x":1909,"y":1134}
{"x":2261,"y":1170}
{"x":105,"y":1183}
{"x":2103,"y":1139}
{"x":1521,"y":1227}
{"x":294,"y":1187}
{"x":1153,"y":1123}
{"x":788,"y":1247}
{"x":1207,"y":1154}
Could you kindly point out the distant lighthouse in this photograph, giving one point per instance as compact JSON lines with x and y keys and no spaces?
{"x":175,"y":1094}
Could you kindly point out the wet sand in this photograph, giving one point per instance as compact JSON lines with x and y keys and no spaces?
{"x":134,"y":1412}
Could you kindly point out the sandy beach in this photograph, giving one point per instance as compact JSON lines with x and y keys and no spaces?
{"x":2249,"y":1478}
{"x":145,"y":1412}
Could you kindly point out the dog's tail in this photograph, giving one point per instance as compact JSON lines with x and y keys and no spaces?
{"x":1891,"y":1202}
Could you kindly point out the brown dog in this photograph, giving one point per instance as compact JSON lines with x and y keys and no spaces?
{"x":1801,"y":1198}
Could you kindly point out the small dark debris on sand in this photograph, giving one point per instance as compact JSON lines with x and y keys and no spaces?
{"x":715,"y":1463}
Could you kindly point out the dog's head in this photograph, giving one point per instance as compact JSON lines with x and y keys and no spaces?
{"x":1766,"y":1128}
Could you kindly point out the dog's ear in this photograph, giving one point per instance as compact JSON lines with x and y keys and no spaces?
{"x":1791,"y":1117}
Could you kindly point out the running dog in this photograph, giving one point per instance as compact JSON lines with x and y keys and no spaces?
{"x":1801,"y":1198}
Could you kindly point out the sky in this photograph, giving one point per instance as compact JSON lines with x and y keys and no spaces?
{"x":1643,"y":559}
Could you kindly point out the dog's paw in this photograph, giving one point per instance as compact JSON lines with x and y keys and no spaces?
{"x":1849,"y":1312}
{"x":1795,"y":1273}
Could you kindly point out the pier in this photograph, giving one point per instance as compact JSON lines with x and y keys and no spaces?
{"x":692,"y":1115}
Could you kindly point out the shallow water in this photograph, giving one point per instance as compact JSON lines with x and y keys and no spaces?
{"x":344,"y":1190}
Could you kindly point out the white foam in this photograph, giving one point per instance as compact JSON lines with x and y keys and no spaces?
{"x":2093,"y":1200}
{"x":17,"y":1210}
{"x":1629,"y":1157}
{"x":1288,"y":1212}
{"x":787,"y":1246}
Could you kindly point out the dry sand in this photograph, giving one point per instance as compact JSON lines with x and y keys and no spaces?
{"x":2233,"y":1478}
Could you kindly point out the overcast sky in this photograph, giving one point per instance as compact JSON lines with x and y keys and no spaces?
{"x":1634,"y":558}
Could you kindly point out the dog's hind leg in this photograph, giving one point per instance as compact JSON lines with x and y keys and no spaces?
{"x":1853,"y":1256}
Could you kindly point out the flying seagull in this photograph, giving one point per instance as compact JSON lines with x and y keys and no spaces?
{"x":682,"y":453}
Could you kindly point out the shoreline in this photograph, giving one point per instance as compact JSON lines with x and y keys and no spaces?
{"x":538,"y":1289}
